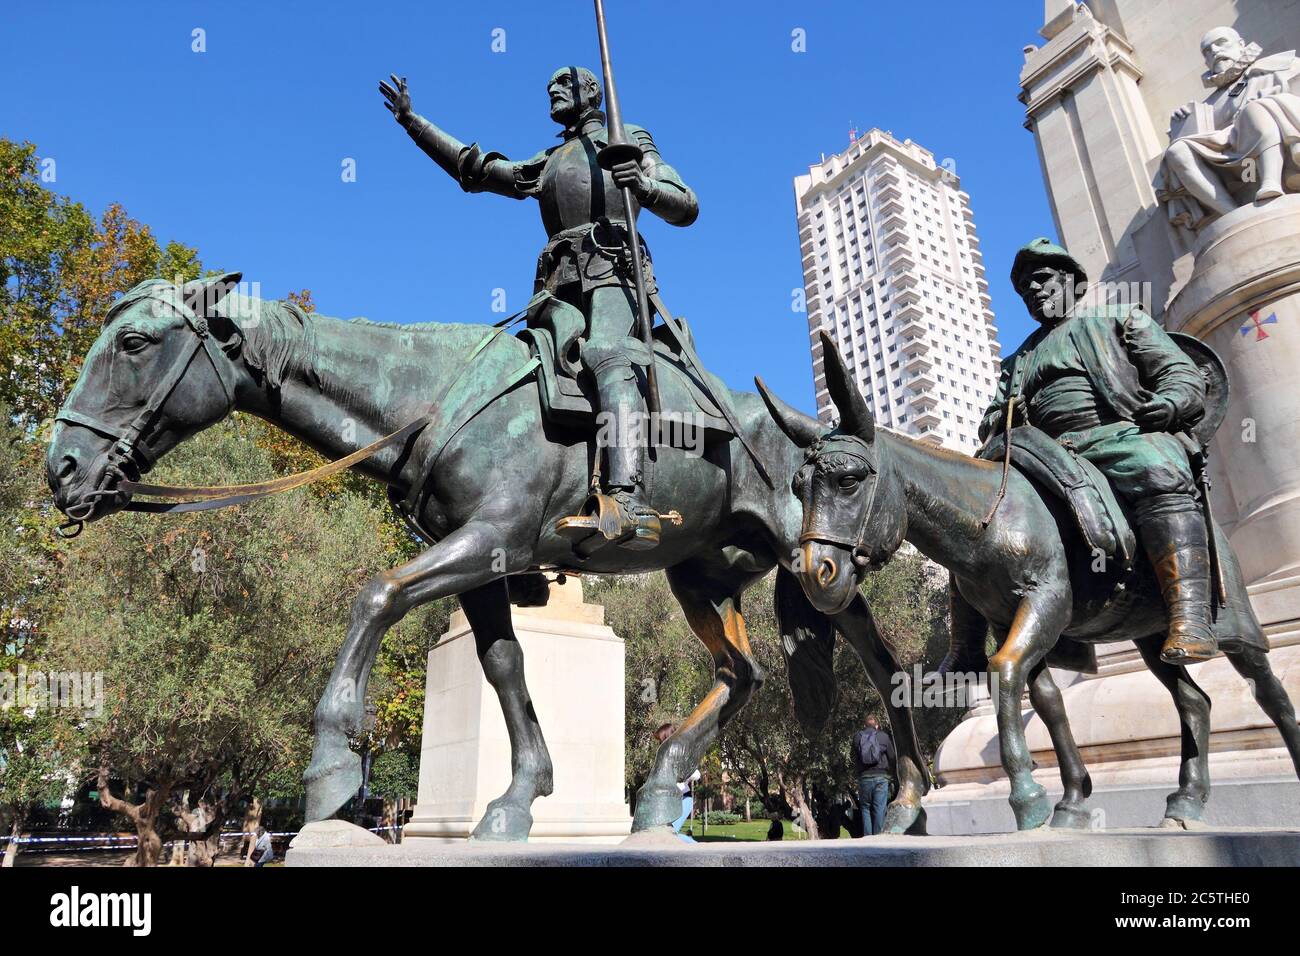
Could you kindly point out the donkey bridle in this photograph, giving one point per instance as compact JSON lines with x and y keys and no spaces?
{"x":826,"y":536}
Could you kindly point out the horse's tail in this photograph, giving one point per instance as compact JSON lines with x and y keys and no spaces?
{"x":808,"y":642}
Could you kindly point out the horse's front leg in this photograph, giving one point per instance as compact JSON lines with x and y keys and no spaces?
{"x":905,"y":813}
{"x":1037,"y":625}
{"x":1071,"y":811}
{"x":460,"y":562}
{"x":711,"y":602}
{"x":509,"y":816}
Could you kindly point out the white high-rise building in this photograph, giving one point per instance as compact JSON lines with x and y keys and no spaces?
{"x":892,"y":270}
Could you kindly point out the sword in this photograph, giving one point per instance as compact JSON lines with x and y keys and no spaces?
{"x":620,"y":150}
{"x":1216,"y":565}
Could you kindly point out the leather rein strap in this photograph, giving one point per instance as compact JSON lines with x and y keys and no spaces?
{"x":225,"y":496}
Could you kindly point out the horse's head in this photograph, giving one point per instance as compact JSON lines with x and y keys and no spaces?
{"x":853,"y":510}
{"x":158,"y":373}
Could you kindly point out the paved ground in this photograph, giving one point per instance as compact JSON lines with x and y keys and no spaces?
{"x":1144,"y":847}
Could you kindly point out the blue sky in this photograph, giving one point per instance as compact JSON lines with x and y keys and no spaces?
{"x":238,"y":150}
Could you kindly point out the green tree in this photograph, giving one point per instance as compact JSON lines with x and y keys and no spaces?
{"x":38,"y":747}
{"x":60,"y":270}
{"x":215,"y":632}
{"x":666,"y":669}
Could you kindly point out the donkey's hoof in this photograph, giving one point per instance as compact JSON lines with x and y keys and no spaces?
{"x":331,"y":781}
{"x":1071,"y":816}
{"x":503,"y":823}
{"x":904,"y":818}
{"x":658,"y":807}
{"x":1183,"y":809}
{"x":1031,"y":807}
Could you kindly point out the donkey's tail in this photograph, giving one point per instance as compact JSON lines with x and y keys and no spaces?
{"x":808,"y":642}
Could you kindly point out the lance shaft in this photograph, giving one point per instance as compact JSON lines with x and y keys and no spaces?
{"x":620,"y":150}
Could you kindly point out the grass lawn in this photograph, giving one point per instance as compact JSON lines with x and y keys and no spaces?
{"x":754,"y":830}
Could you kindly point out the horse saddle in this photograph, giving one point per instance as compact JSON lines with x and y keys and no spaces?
{"x":1076,"y":482}
{"x":553,"y":337}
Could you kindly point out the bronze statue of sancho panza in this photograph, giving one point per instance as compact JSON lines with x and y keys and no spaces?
{"x":584,"y":262}
{"x":1111,"y":386}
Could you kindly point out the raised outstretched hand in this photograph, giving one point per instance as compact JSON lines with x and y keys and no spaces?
{"x":397,"y":99}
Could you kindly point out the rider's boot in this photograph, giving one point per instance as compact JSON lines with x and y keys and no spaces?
{"x":623,"y":515}
{"x":1177,"y":545}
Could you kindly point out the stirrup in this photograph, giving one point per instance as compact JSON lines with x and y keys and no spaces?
{"x":602,"y":515}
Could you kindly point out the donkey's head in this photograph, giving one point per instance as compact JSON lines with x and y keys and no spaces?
{"x":159,"y":372}
{"x":853,"y":509}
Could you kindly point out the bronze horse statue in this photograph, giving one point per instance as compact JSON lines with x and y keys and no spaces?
{"x":1026,"y":573}
{"x":491,"y":473}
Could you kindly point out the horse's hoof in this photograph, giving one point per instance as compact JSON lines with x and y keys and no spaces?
{"x":503,"y":823}
{"x":1031,"y":807}
{"x":659,"y":807}
{"x":331,"y":781}
{"x":1071,"y":816}
{"x":1183,"y":807}
{"x":906,"y":818}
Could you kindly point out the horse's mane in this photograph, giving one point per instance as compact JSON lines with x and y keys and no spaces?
{"x":278,"y":336}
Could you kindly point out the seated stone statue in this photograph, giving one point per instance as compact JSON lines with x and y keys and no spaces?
{"x":1242,"y":144}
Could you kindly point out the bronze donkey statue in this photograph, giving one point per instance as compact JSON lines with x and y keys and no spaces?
{"x":1026,"y":574}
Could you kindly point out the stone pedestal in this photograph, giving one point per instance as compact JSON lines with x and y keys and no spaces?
{"x":1243,"y":298}
{"x":573,"y":664}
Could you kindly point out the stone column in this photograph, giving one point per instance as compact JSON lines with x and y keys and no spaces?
{"x":573,"y":663}
{"x":1243,"y":299}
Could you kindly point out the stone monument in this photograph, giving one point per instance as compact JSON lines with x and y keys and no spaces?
{"x":1168,"y":145}
{"x":574,"y":668}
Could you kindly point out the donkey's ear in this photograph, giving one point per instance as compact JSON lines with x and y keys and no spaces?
{"x":855,"y":417}
{"x":202,"y":295}
{"x":798,"y":427}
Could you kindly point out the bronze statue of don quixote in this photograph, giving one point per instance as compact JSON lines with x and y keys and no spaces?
{"x":515,"y":454}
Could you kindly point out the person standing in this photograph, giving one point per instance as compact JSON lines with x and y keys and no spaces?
{"x":873,"y":764}
{"x":686,"y":787}
{"x":774,"y":829}
{"x":263,"y":851}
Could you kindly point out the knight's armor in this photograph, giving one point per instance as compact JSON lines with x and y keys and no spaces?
{"x":585,"y":264}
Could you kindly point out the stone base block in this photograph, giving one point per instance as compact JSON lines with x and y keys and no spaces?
{"x":573,"y":664}
{"x":1225,"y":847}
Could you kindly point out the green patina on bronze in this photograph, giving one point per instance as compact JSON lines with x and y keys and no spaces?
{"x":1022,"y":567}
{"x":505,"y":474}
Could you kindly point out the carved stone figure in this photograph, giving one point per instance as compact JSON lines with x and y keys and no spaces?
{"x":1242,"y":143}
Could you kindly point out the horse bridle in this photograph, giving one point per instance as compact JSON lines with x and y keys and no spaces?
{"x":129,"y":444}
{"x":812,"y":532}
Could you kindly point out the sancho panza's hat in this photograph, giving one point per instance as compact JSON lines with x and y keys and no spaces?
{"x":1041,"y":252}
